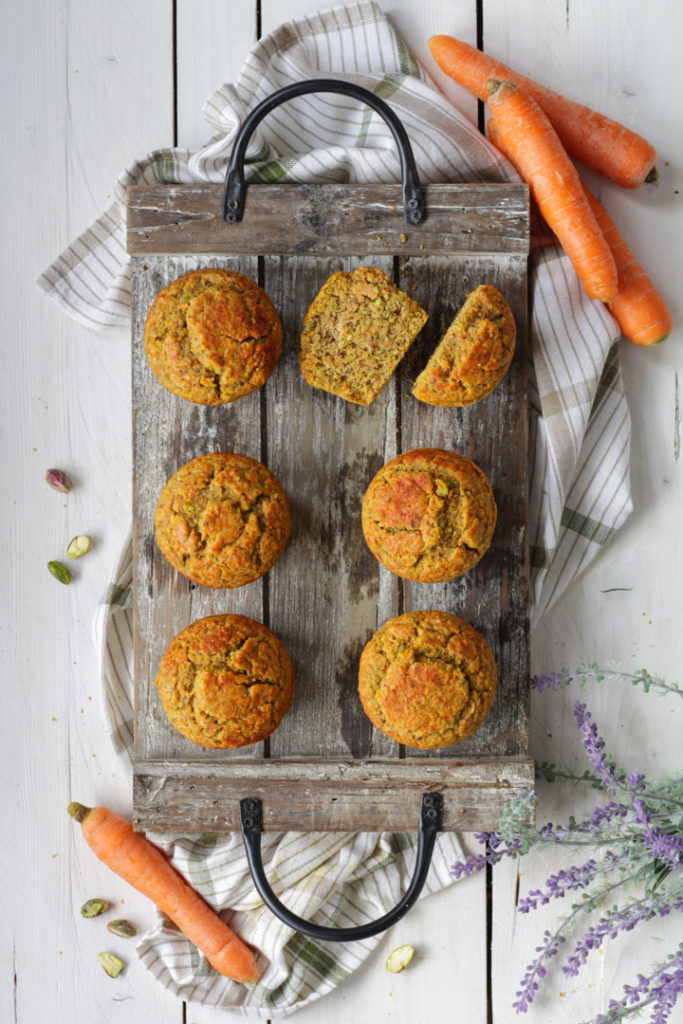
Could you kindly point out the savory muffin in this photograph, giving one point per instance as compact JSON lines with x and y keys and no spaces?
{"x":429,"y":515}
{"x":427,"y":679}
{"x":225,"y":681}
{"x":212,"y":336}
{"x":474,"y":354}
{"x":222,"y":519}
{"x":359,"y":326}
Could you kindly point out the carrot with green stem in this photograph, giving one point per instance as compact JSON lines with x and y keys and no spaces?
{"x":638,"y":308}
{"x":542,"y":161}
{"x":144,"y":866}
{"x":597,"y":141}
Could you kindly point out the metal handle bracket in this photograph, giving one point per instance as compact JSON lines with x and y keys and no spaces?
{"x":251,"y":819}
{"x":235,"y":187}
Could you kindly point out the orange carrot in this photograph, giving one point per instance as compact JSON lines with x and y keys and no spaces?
{"x":145,"y":867}
{"x":638,"y":307}
{"x":605,"y":145}
{"x":538,"y":154}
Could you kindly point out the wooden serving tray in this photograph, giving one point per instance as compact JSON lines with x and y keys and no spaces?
{"x":326,"y":767}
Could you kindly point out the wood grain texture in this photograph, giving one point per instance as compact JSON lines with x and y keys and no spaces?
{"x":325,"y":794}
{"x":337,"y":220}
{"x":327,"y":594}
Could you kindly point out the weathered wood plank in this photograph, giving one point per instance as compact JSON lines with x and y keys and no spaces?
{"x":167,"y":432}
{"x":493,"y":596}
{"x":323,"y":794}
{"x":323,"y":590}
{"x":335,"y":220}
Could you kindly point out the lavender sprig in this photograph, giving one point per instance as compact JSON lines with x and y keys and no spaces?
{"x":618,"y":920}
{"x":659,"y":990}
{"x":636,"y":839}
{"x":583,"y":673}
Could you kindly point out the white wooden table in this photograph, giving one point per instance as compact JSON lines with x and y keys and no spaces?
{"x":89,"y":85}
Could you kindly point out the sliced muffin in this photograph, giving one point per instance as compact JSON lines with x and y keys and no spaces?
{"x":357,"y":329}
{"x":474,"y":354}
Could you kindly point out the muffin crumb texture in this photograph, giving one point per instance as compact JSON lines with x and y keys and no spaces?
{"x":222,"y":519}
{"x":225,"y":681}
{"x":212,"y":336}
{"x":427,"y":679}
{"x":356,"y":331}
{"x":429,"y":515}
{"x":474,"y":354}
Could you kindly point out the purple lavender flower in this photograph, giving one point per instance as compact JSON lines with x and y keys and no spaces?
{"x":616,"y":921}
{"x":548,"y":682}
{"x":594,"y":746}
{"x":640,"y":840}
{"x":660,"y":991}
{"x":558,"y":885}
{"x":603,"y":815}
{"x":497,"y":848}
{"x":664,"y":846}
{"x":536,"y":971}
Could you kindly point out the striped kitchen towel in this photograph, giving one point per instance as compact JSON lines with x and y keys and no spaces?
{"x":580,"y":483}
{"x":580,"y":430}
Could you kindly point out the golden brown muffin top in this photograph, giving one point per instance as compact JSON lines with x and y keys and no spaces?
{"x":427,"y":679}
{"x":212,"y":336}
{"x":474,"y":354}
{"x":429,"y":515}
{"x":222,"y":519}
{"x":358,"y":328}
{"x":225,"y":681}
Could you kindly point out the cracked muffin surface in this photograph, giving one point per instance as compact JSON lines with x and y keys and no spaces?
{"x":222,"y":519}
{"x":225,"y":681}
{"x":474,"y":354}
{"x":357,"y":329}
{"x":427,"y":679}
{"x":212,"y":336}
{"x":428,"y":515}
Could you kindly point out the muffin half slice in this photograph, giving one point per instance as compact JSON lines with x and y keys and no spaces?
{"x":474,"y":354}
{"x":356,"y":331}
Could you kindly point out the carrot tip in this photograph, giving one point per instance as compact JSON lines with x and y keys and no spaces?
{"x":78,"y":811}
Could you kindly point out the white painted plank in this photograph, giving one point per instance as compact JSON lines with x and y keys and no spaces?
{"x":213,"y":39}
{"x":73,"y":78}
{"x":623,"y":607}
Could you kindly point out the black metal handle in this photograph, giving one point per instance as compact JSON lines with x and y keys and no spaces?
{"x":235,"y":188}
{"x":430,"y":820}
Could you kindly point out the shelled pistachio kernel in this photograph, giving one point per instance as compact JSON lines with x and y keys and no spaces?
{"x":123,"y":928}
{"x":113,"y":965}
{"x":399,"y":958}
{"x":79,"y":545}
{"x":60,"y":572}
{"x":93,"y":908}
